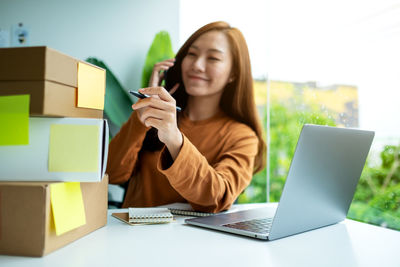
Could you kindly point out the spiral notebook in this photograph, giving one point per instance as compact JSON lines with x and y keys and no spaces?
{"x":136,"y":216}
{"x":150,"y":215}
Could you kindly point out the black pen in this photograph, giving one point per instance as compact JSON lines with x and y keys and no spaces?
{"x":141,"y":96}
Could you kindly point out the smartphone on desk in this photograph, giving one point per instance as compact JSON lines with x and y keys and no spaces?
{"x":141,"y":96}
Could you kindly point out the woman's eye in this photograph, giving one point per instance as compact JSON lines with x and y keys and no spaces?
{"x":214,"y":58}
{"x":191,"y":54}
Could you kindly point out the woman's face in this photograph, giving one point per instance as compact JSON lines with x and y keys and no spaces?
{"x":206,"y":69}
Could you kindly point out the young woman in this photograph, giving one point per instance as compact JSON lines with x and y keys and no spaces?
{"x":206,"y":154}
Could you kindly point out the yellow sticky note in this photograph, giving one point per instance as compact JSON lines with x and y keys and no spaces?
{"x":67,"y":206}
{"x":14,"y":120}
{"x":91,"y":86}
{"x":73,"y":148}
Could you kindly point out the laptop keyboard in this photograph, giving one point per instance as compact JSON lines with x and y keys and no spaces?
{"x":256,"y":225}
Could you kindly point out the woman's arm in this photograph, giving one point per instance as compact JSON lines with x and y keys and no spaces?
{"x":212,"y":188}
{"x":124,"y":148}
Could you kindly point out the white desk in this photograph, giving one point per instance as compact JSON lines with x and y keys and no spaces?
{"x":345,"y":244}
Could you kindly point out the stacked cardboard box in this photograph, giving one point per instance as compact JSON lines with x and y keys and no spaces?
{"x":53,"y":158}
{"x":49,"y":77}
{"x":27,"y":224}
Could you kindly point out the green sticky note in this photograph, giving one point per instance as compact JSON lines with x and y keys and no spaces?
{"x":14,"y":120}
{"x":73,"y":148}
{"x":67,"y":206}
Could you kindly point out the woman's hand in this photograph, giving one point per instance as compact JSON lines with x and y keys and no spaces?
{"x":156,"y":76}
{"x":159,"y":111}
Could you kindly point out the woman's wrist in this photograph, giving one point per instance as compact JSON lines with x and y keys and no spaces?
{"x":174,"y":145}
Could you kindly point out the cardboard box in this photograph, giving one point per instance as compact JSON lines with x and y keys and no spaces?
{"x":52,"y":80}
{"x":37,"y":64}
{"x":26,"y":219}
{"x":57,"y":151}
{"x":49,"y":99}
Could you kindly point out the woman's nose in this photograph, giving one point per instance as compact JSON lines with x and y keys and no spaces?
{"x":199,"y":64}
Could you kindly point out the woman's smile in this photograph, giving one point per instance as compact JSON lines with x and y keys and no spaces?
{"x":197,"y":78}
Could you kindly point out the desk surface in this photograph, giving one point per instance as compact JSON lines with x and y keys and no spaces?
{"x":348,"y":243}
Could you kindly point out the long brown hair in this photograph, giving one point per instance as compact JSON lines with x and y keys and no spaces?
{"x":237,"y":100}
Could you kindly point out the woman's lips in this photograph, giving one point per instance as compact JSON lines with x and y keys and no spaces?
{"x":197,"y":78}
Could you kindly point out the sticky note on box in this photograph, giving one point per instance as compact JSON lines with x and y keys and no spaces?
{"x":91,"y":86}
{"x":14,"y":120}
{"x":67,"y":206}
{"x":74,"y":148}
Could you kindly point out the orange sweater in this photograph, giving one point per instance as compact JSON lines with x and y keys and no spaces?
{"x":214,"y":166}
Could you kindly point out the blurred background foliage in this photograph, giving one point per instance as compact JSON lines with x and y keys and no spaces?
{"x":160,"y":49}
{"x":377,"y":198}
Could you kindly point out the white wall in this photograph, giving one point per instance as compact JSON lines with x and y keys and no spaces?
{"x":119,"y":32}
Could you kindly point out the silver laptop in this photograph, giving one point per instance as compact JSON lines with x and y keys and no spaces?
{"x":319,"y":188}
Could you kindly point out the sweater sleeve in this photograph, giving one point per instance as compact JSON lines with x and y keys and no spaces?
{"x":211,"y":188}
{"x":124,"y":148}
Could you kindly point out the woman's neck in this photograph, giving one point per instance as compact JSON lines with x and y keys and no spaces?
{"x":202,"y":107}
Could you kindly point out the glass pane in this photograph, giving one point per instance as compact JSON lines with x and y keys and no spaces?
{"x":337,"y":64}
{"x":257,"y":191}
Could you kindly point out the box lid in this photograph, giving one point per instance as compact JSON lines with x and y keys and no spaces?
{"x":37,"y":63}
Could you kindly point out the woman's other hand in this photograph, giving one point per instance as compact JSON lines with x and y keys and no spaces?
{"x":157,"y":76}
{"x":159,"y":111}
